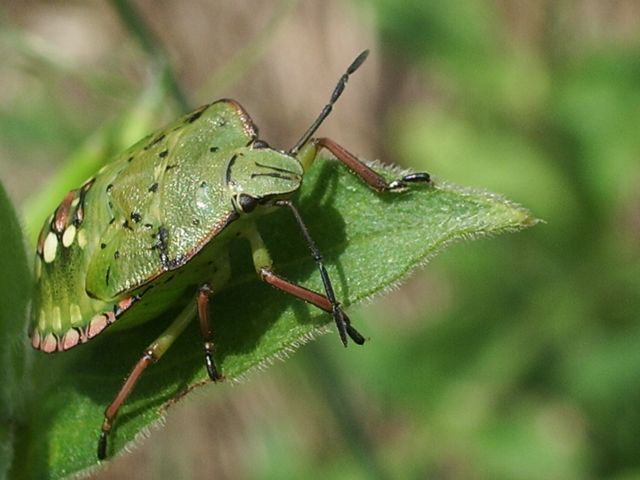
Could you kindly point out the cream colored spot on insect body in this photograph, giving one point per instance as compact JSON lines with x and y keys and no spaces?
{"x":68,"y":235}
{"x":75,"y":202}
{"x":82,"y":238}
{"x":50,"y":247}
{"x":56,"y":318}
{"x":75,"y":314}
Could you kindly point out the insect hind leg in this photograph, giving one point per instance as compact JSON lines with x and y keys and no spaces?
{"x":309,"y":296}
{"x":263,"y":264}
{"x":151,"y":355}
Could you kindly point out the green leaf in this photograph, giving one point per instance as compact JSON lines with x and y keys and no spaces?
{"x":370,"y":242}
{"x":15,"y":288}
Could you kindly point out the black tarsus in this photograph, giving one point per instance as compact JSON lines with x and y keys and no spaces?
{"x":418,"y":177}
{"x":102,"y":446}
{"x":326,"y":110}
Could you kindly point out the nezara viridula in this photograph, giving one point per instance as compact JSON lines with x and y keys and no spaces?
{"x":158,"y":219}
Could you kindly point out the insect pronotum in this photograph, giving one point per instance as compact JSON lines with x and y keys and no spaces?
{"x":158,"y":220}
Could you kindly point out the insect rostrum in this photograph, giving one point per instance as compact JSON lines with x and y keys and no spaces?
{"x":159,"y":218}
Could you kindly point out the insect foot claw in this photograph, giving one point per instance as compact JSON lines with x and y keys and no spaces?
{"x":403,"y":183}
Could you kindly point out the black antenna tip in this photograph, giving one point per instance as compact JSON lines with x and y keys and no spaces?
{"x":337,"y":91}
{"x":357,"y":62}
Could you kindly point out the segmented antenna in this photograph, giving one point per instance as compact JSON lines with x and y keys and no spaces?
{"x":329,"y":106}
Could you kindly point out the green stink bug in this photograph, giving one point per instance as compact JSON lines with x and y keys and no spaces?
{"x":152,"y":228}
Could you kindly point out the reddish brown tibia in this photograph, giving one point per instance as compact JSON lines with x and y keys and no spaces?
{"x":302,"y":293}
{"x":203,"y":312}
{"x":61,"y":216}
{"x":112,"y":410}
{"x":374,"y":180}
{"x":204,"y":295}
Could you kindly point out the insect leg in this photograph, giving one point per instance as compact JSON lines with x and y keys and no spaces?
{"x":263,"y":265}
{"x":370,"y":177}
{"x":204,"y":294}
{"x":151,"y":355}
{"x":314,"y":298}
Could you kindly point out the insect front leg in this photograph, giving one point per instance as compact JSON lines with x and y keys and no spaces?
{"x":369,"y":176}
{"x":264,"y":268}
{"x":151,"y":354}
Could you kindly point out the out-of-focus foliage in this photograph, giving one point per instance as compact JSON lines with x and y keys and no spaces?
{"x":511,"y":358}
{"x":15,"y":289}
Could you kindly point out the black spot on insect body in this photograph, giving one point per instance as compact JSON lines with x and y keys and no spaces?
{"x":113,"y":219}
{"x":156,"y":140}
{"x":169,"y":167}
{"x":272,"y":175}
{"x":129,"y":159}
{"x":163,"y":153}
{"x":203,"y":184}
{"x":106,"y":277}
{"x":229,"y":166}
{"x":162,"y":246}
{"x":103,"y":246}
{"x":109,"y":188}
{"x":195,"y":222}
{"x":154,"y":188}
{"x":148,"y":226}
{"x":126,"y":225}
{"x":116,"y":255}
{"x":194,"y":116}
{"x":136,"y":217}
{"x":213,"y":149}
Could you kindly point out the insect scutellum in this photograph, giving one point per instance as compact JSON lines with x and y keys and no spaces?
{"x":158,"y":219}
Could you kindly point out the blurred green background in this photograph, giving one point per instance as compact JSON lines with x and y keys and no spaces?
{"x":509,"y":358}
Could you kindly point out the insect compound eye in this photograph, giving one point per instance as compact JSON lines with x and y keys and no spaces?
{"x":247,"y":202}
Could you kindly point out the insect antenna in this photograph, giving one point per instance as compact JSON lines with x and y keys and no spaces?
{"x":329,"y":106}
